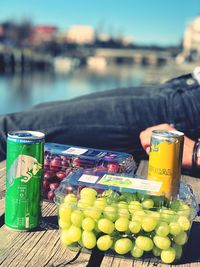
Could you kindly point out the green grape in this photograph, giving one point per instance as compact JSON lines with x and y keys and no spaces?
{"x":89,"y":201}
{"x":145,"y":243}
{"x":111,"y":196}
{"x":100,"y":203}
{"x":77,"y":217}
{"x":134,"y":206}
{"x":162,"y":229}
{"x":176,"y":205}
{"x":88,"y":192}
{"x":168,"y":255}
{"x":184,"y":210}
{"x":156,"y":251}
{"x":174,"y":228}
{"x":64,"y":224}
{"x":88,"y":239}
{"x":179,"y":250}
{"x":147,"y":203}
{"x":122,"y":204}
{"x":110,"y":213}
{"x":92,"y":212}
{"x":123,"y":212}
{"x":104,"y":242}
{"x":88,"y":224}
{"x":168,"y":215}
{"x":135,"y":226}
{"x":83,"y":205}
{"x":106,"y":226}
{"x":153,"y":214}
{"x":113,"y":205}
{"x":149,"y":224}
{"x":64,"y":237}
{"x":70,"y":199}
{"x":122,"y":224}
{"x":123,"y":245}
{"x":162,"y":242}
{"x":181,"y":238}
{"x":137,"y":252}
{"x":139,"y":215}
{"x":64,"y":212}
{"x":184,"y":223}
{"x":74,"y":233}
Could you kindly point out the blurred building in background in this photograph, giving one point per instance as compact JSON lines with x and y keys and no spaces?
{"x":80,"y":34}
{"x":43,"y":34}
{"x":191,"y":39}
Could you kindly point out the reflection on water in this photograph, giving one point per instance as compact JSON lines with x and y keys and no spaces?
{"x":20,"y":92}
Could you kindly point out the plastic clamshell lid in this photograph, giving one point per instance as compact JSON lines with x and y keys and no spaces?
{"x":85,"y":152}
{"x":120,"y":183}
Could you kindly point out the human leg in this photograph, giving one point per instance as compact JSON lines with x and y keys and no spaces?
{"x":130,"y":91}
{"x":184,"y":82}
{"x":112,"y":123}
{"x":110,"y":120}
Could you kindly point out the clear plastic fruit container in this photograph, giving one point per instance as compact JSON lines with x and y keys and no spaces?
{"x":121,"y":215}
{"x":60,"y":160}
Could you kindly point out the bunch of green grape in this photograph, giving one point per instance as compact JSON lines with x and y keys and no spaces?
{"x":128,"y":224}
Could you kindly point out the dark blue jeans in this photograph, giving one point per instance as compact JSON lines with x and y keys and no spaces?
{"x":112,"y":119}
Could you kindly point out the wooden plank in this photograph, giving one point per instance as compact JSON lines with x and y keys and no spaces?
{"x":35,"y":248}
{"x":42,"y":247}
{"x":2,"y":189}
{"x":38,"y":248}
{"x":2,"y":165}
{"x":2,"y":179}
{"x":2,"y":206}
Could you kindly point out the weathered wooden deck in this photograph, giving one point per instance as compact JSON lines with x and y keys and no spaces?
{"x":42,"y":247}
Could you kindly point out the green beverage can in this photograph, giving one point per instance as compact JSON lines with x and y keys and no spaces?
{"x":24,"y":172}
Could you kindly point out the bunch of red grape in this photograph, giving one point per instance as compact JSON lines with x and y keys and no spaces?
{"x":126,"y":223}
{"x":58,"y":167}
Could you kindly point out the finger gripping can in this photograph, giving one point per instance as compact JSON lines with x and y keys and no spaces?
{"x":24,"y":168}
{"x":165,"y":160}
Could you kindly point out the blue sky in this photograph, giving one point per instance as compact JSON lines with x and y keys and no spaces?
{"x":146,"y":21}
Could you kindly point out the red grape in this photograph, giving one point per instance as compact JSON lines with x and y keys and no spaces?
{"x":47,"y":162}
{"x":50,"y":195}
{"x":64,"y":158}
{"x":53,"y":186}
{"x":55,"y":163}
{"x":49,"y":174}
{"x":65,"y":163}
{"x":61,"y":175}
{"x":45,"y":185}
{"x":113,"y":167}
{"x":76,"y":162}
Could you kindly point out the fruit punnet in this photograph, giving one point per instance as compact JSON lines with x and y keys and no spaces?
{"x":126,"y":223}
{"x":61,"y":160}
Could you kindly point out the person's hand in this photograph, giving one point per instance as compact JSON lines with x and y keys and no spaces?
{"x":145,"y":138}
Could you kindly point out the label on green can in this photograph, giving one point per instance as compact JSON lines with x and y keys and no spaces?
{"x":24,"y":168}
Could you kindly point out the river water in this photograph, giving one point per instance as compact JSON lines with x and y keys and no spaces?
{"x":20,"y":92}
